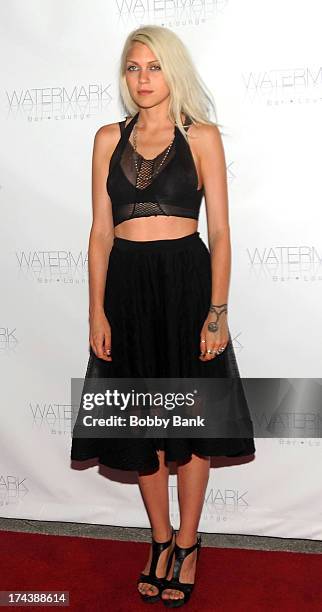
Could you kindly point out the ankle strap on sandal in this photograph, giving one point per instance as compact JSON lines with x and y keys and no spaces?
{"x":186,"y":551}
{"x":180,"y":554}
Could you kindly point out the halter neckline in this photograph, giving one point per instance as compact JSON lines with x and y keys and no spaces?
{"x":133,"y":122}
{"x":127,"y":129}
{"x":172,"y":190}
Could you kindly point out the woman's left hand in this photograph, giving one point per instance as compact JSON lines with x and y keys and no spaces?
{"x":214,"y":340}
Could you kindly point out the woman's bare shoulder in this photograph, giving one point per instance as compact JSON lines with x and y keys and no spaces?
{"x":204,"y":130}
{"x":111,"y":128}
{"x":207,"y":137}
{"x":107,"y":131}
{"x":107,"y":136}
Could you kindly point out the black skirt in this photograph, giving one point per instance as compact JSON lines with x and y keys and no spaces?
{"x":157,"y":298}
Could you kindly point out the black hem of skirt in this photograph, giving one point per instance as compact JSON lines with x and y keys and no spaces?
{"x":153,"y":465}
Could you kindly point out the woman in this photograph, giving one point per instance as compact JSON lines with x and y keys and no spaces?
{"x":158,"y":296}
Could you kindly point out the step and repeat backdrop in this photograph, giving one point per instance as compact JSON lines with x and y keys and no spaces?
{"x":59,"y":84}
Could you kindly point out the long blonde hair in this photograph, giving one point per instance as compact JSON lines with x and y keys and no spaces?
{"x":188,"y":93}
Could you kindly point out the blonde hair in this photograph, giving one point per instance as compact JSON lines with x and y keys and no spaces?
{"x":188,"y":93}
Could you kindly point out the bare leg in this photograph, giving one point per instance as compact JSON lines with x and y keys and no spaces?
{"x":192,"y":483}
{"x":154,"y":490}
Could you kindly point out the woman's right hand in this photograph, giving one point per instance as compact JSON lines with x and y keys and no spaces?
{"x":100,"y":335}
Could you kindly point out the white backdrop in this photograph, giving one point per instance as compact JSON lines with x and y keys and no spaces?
{"x":59,"y":65}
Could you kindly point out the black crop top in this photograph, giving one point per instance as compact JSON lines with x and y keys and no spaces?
{"x":141,"y":188}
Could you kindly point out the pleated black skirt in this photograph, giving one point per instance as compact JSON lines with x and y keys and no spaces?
{"x":157,"y":298}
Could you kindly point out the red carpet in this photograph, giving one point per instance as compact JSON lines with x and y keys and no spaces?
{"x":100,"y":575}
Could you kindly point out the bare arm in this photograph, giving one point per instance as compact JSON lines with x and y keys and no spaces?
{"x":101,"y":238}
{"x":213,"y":167}
{"x":213,"y":170}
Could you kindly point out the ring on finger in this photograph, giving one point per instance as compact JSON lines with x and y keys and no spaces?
{"x":221,"y":350}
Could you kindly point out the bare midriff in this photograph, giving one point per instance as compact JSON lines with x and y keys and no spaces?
{"x":156,"y":228}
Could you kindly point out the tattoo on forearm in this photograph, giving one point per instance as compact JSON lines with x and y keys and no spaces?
{"x":219,"y":309}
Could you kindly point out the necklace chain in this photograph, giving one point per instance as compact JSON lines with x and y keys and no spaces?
{"x":150,"y":176}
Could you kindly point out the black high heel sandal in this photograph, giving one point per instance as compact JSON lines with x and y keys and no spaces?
{"x":151,"y":578}
{"x":186,"y":587}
